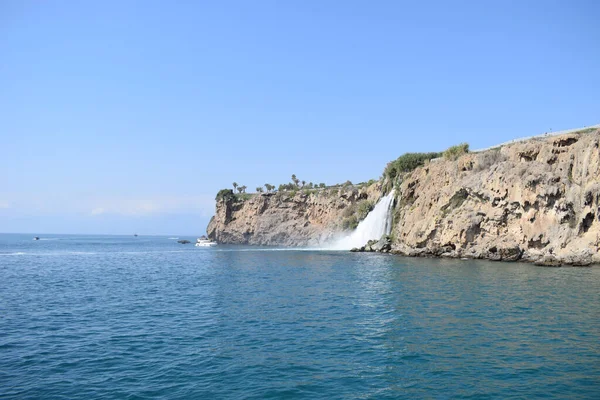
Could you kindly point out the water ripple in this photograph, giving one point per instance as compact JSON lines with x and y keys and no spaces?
{"x":146,"y":320}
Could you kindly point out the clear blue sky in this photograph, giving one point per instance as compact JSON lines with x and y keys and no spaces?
{"x":128,"y":116}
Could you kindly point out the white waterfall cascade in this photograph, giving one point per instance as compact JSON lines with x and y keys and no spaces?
{"x":377,"y":223}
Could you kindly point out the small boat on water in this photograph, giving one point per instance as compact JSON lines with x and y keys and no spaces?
{"x":203,"y":241}
{"x":36,"y":238}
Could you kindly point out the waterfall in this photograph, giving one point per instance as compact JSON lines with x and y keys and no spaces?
{"x":377,"y":223}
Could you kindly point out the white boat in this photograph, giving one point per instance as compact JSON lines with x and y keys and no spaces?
{"x":205,"y":242}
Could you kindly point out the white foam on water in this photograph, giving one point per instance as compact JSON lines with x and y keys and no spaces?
{"x":377,"y":224}
{"x":266,"y":250}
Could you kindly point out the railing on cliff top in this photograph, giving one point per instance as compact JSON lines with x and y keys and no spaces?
{"x":524,"y":139}
{"x":543,"y":135}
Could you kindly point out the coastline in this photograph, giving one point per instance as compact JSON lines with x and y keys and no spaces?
{"x":535,"y":201}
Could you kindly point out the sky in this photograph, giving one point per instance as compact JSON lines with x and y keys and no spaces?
{"x":123,"y":117}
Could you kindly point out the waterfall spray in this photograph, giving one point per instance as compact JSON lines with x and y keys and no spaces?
{"x":377,"y":223}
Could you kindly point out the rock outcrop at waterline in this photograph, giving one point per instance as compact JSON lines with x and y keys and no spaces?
{"x":536,"y":201}
{"x":383,"y":245}
{"x":295,"y":218}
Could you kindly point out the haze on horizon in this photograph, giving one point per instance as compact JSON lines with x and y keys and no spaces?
{"x":123,"y":117}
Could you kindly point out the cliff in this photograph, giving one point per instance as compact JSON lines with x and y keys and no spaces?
{"x":536,"y":201}
{"x":295,"y":218}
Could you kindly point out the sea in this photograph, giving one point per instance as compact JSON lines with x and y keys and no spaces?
{"x":124,"y":317}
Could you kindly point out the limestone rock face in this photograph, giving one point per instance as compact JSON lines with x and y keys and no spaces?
{"x":286,"y":219}
{"x":538,"y":201}
{"x":535,"y":201}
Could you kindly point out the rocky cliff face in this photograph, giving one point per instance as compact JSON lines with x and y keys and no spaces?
{"x":537,"y":201}
{"x":304,"y":218}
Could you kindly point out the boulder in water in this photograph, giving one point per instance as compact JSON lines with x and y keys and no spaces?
{"x":504,"y":252}
{"x":548,"y":261}
{"x":369,"y":245}
{"x":383,"y":245}
{"x":582,"y":258}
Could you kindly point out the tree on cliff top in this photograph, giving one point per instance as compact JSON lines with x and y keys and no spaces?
{"x":225,"y":194}
{"x":295,"y":180}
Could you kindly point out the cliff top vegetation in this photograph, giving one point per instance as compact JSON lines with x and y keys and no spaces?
{"x":403,"y":164}
{"x":290,"y":189}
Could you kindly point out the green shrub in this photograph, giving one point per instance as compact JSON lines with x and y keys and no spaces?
{"x":452,"y":153}
{"x":349,"y":223}
{"x":287,"y":186}
{"x":242,"y":196}
{"x":225,"y":194}
{"x":349,"y":211}
{"x":406,"y":163}
{"x":363,"y":208}
{"x":355,"y":213}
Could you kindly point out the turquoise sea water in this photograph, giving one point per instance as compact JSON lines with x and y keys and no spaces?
{"x":84,"y":317}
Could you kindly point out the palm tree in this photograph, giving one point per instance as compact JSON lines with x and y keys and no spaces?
{"x":259,"y":189}
{"x":295,"y":180}
{"x":303,"y":183}
{"x":243,"y":189}
{"x":235,"y":185}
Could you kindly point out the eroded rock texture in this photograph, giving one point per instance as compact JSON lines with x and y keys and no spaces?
{"x":284,"y":219}
{"x":538,"y":201}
